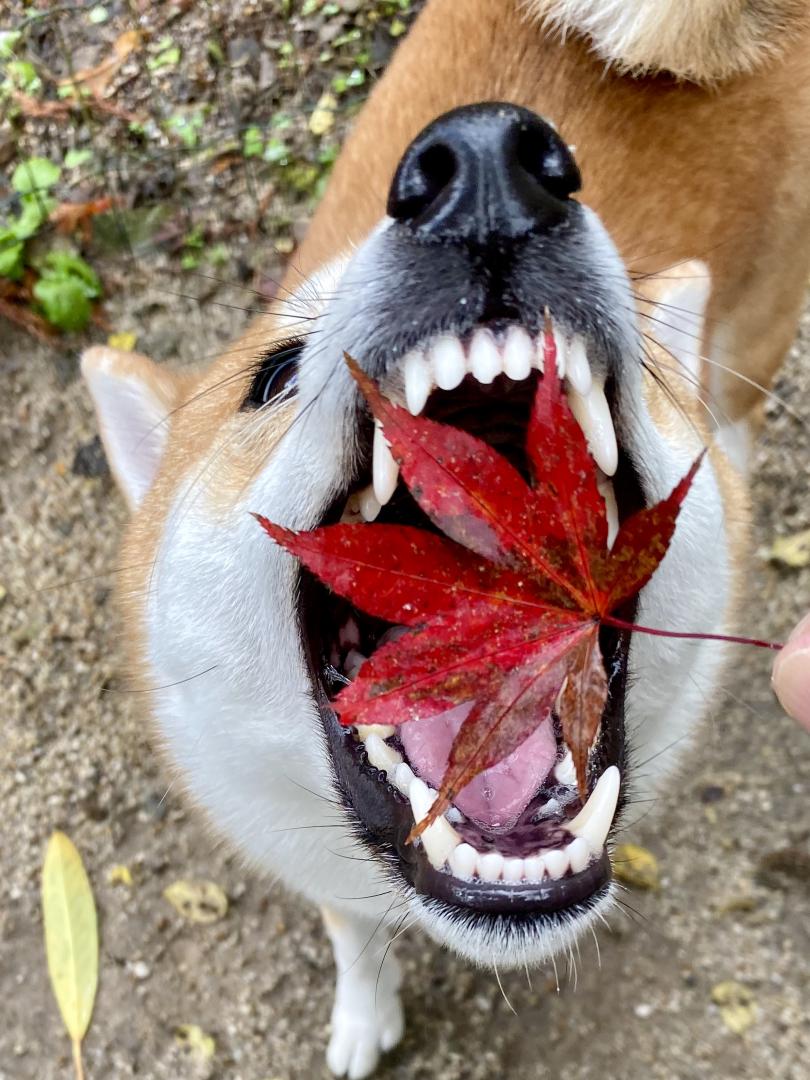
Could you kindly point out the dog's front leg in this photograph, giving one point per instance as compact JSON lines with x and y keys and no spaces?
{"x":367,"y":1016}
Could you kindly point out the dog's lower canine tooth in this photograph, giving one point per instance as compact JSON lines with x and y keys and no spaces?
{"x":403,"y":777}
{"x":593,"y":416}
{"x":385,"y":731}
{"x":418,"y":379}
{"x":448,"y":362}
{"x":439,"y":839}
{"x":384,"y":470}
{"x":593,"y":822}
{"x":485,"y":357}
{"x":577,"y":368}
{"x":608,"y":493}
{"x":381,"y":755}
{"x":517,"y":353}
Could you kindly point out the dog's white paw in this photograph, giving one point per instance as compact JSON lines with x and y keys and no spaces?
{"x":358,"y":1038}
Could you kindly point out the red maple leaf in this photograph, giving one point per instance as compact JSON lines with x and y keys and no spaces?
{"x":504,"y":609}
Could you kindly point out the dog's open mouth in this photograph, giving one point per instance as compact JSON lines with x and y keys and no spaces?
{"x":518,"y":838}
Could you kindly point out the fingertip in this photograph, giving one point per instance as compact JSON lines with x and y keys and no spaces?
{"x":791,"y":675}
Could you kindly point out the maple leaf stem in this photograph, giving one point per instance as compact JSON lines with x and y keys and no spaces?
{"x":729,"y":639}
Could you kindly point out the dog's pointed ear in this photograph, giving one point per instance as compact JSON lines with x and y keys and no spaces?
{"x":134,"y":398}
{"x":676,"y":313}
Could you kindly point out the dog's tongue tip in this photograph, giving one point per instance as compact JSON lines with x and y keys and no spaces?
{"x":497,"y":797}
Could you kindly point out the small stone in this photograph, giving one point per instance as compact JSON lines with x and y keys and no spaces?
{"x":90,"y":460}
{"x":636,"y":866}
{"x":140,"y":970}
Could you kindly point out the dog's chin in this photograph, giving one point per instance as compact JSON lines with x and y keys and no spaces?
{"x":501,"y":884}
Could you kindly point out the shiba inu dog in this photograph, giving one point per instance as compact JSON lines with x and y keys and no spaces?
{"x":640,"y":172}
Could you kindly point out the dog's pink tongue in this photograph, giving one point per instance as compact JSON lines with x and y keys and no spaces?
{"x":496,"y":798}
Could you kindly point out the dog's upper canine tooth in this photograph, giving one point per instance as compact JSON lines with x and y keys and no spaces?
{"x":418,"y":378}
{"x":384,"y":470}
{"x":593,"y":821}
{"x":439,"y":839}
{"x":518,"y":353}
{"x":593,"y":415}
{"x":369,"y":503}
{"x":448,"y":362}
{"x":577,"y":368}
{"x":485,"y":357}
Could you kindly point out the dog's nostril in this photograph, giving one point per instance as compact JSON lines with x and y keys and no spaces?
{"x":484,"y":172}
{"x":421,"y":184}
{"x":547,"y":164}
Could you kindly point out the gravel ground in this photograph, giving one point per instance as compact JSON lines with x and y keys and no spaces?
{"x":732,"y":834}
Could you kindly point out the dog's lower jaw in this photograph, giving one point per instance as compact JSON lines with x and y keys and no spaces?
{"x":367,"y":1016}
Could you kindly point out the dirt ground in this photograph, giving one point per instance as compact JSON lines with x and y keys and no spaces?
{"x":732,"y":832}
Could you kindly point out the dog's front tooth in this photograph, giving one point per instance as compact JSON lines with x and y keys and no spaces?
{"x":593,"y":415}
{"x":369,"y":503}
{"x":463,"y":861}
{"x":490,"y":866}
{"x":593,"y":822}
{"x":418,"y":379}
{"x":577,"y":368}
{"x":579,"y":854}
{"x":517,"y":353}
{"x":534,"y":867}
{"x":561,"y":346}
{"x":556,"y":863}
{"x":384,"y":470}
{"x":440,"y":838}
{"x":513,"y":870}
{"x":485,"y":357}
{"x":447,"y":360}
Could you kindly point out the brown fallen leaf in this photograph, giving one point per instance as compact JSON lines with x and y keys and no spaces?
{"x":198,"y":901}
{"x":635,"y":866}
{"x":69,"y":216}
{"x":737,"y":1005}
{"x":96,"y":80}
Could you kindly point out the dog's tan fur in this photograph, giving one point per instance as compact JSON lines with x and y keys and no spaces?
{"x":705,"y":41}
{"x":675,"y":172}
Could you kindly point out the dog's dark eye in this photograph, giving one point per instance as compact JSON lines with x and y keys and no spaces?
{"x":277,"y":371}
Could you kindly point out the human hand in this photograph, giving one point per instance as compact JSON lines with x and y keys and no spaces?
{"x":791,"y":674}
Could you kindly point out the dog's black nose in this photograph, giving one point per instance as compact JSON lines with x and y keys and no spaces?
{"x":484,"y":172}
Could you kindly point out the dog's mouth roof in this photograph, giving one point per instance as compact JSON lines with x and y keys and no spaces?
{"x":518,"y":837}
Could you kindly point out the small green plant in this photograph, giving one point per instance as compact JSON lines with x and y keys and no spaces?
{"x":65,"y":284}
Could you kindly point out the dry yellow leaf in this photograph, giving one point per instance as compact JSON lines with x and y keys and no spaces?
{"x":124,"y":341}
{"x":737,"y":1005}
{"x":793,"y":551}
{"x":119,"y":875}
{"x":198,"y":901}
{"x":71,"y":938}
{"x":635,"y":866}
{"x":323,"y":115}
{"x":194,"y":1039}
